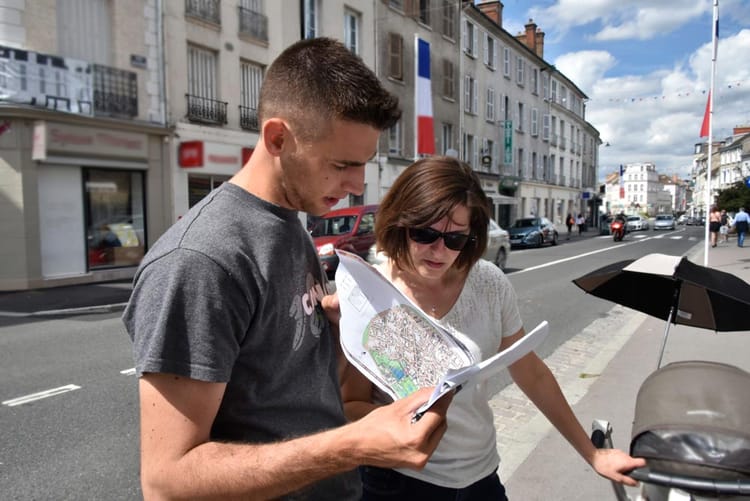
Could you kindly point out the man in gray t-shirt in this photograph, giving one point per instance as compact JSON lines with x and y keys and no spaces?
{"x":239,"y":390}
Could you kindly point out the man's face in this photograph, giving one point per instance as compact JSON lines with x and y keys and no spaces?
{"x":317,"y":174}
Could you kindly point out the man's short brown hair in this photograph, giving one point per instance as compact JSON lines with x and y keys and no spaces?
{"x":317,"y":80}
{"x":426,"y":192}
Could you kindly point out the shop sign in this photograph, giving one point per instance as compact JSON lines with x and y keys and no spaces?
{"x":51,"y":138}
{"x":216,"y":157}
{"x":190,"y":154}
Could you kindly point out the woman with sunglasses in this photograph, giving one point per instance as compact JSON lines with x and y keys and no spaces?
{"x":432,"y":227}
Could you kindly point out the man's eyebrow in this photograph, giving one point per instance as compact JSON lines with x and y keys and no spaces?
{"x":354,"y":163}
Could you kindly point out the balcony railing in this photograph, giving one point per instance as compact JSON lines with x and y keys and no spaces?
{"x":207,"y":10}
{"x":206,"y":110}
{"x":115,"y":91}
{"x":249,"y":118}
{"x":253,"y":24}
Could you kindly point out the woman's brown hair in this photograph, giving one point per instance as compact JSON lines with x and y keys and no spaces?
{"x":426,"y":192}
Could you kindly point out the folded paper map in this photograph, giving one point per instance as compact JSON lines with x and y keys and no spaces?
{"x":398,"y":346}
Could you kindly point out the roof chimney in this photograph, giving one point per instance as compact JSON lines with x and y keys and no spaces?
{"x":533,"y":38}
{"x":741,"y":129}
{"x":539,"y":49}
{"x":493,"y":10}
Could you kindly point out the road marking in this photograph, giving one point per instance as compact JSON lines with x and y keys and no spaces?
{"x":128,"y":372}
{"x":637,"y":239}
{"x":578,"y":256}
{"x":42,"y":394}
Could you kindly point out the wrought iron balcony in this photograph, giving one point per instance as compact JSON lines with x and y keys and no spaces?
{"x":115,"y":91}
{"x":249,"y":118}
{"x":254,"y":24}
{"x":205,"y":110}
{"x":207,"y":10}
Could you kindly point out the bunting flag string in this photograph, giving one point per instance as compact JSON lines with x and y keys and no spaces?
{"x":720,"y":91}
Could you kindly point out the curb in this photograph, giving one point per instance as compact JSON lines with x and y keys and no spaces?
{"x":82,"y":310}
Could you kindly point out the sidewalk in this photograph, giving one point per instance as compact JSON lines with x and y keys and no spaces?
{"x":600,"y":372}
{"x":71,"y":299}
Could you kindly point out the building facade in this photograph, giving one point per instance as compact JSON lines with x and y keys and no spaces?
{"x":117,"y":117}
{"x":82,"y":140}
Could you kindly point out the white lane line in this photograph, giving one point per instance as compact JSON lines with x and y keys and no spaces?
{"x":42,"y":394}
{"x":578,"y":256}
{"x":128,"y":372}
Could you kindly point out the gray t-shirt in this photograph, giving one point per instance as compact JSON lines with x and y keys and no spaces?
{"x":231,"y":294}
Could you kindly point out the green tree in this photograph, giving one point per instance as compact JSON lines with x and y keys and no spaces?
{"x":734,"y":197}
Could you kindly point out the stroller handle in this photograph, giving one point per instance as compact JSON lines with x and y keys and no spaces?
{"x":717,"y":487}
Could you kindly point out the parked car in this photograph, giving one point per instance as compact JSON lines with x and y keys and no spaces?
{"x":498,"y":247}
{"x":351,"y":229}
{"x":635,"y":223}
{"x":664,"y":222}
{"x":532,"y":232}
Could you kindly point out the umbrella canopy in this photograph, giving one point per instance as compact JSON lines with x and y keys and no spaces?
{"x":654,"y":284}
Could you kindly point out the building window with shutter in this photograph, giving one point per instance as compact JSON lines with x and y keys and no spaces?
{"x":251,"y":78}
{"x":395,"y":56}
{"x":449,"y":82}
{"x":424,"y":12}
{"x":490,"y":57}
{"x":489,"y":112}
{"x":449,"y":19}
{"x":351,"y":31}
{"x":394,"y":139}
{"x":470,"y":39}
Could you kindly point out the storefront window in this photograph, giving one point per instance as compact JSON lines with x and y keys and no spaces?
{"x":200,"y":186}
{"x":115,"y":217}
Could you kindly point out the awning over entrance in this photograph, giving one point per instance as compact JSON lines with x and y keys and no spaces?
{"x":502,"y":199}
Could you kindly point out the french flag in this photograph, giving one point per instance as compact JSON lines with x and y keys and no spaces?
{"x":425,"y":130}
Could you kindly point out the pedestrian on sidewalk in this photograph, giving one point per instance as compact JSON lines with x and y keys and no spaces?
{"x":741,"y":220}
{"x":714,"y":223}
{"x":431,"y":225}
{"x":724,"y":229}
{"x":569,"y":222}
{"x":239,"y":380}
{"x":581,"y":222}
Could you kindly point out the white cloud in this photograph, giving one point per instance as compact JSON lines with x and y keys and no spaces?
{"x":588,"y":67}
{"x":657,"y":116}
{"x":620,"y":20}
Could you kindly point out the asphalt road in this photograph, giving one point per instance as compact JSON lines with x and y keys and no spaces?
{"x":82,"y":441}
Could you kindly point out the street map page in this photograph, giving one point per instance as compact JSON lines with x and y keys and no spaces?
{"x":398,"y":346}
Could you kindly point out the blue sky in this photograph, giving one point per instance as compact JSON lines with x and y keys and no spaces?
{"x":645,"y":67}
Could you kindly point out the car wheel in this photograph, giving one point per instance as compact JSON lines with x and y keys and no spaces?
{"x":554,"y":238}
{"x":539,"y":240}
{"x":501,"y":258}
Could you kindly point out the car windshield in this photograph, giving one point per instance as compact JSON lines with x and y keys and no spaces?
{"x":332,"y":226}
{"x":633,"y":218}
{"x":526,"y":222}
{"x":663,"y":218}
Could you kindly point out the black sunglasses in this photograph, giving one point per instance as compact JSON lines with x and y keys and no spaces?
{"x":453,"y":240}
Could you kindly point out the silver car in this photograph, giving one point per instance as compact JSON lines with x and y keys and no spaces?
{"x":664,"y":222}
{"x":636,"y":223}
{"x":498,"y":247}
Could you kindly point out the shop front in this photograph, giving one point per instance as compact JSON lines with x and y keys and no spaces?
{"x":78,"y":193}
{"x":204,"y":158}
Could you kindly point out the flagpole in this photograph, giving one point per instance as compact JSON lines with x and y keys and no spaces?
{"x":708,"y":198}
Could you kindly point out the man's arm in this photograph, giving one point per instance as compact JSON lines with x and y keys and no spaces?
{"x":179,"y":460}
{"x":535,"y":379}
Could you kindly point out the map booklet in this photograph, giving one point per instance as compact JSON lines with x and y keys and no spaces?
{"x":399,"y":347}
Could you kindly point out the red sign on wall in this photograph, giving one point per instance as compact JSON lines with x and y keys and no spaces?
{"x":190,"y":154}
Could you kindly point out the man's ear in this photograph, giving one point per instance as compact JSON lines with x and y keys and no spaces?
{"x":274,"y":134}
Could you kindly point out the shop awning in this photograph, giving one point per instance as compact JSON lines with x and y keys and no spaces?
{"x":502,"y":199}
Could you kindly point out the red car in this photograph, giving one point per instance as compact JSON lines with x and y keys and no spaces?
{"x":351,"y":229}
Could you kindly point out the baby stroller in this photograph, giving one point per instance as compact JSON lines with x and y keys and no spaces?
{"x":692,"y":418}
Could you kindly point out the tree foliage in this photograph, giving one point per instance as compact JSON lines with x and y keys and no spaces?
{"x":734,"y":197}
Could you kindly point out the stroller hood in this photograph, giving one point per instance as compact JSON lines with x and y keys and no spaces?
{"x":693,"y":418}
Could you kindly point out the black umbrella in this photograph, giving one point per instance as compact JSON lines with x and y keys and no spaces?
{"x":676,"y":290}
